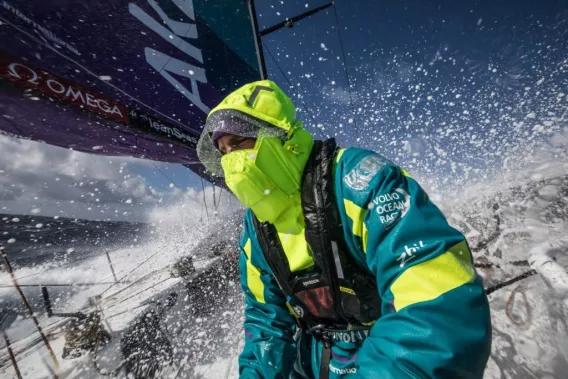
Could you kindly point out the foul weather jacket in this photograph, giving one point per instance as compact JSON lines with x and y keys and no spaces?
{"x":435,"y":320}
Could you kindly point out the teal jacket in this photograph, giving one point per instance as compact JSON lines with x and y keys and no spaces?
{"x":435,"y":320}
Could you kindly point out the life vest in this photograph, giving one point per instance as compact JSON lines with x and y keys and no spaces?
{"x":337,"y":294}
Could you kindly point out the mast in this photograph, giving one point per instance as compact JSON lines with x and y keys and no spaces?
{"x":257,"y":40}
{"x":286,"y":23}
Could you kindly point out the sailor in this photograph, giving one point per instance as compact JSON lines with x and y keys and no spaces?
{"x":348,"y":268}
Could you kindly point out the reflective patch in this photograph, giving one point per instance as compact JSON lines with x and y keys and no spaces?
{"x":361,"y":175}
{"x":293,"y":311}
{"x":405,"y":173}
{"x":339,"y":155}
{"x":254,"y":282}
{"x":357,"y":215}
{"x":347,"y":290}
{"x":431,"y":279}
{"x":296,"y":249}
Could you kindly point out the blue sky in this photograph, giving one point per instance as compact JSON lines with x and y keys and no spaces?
{"x":433,"y":83}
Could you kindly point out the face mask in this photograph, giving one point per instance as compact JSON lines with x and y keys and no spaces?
{"x":267,"y":179}
{"x":249,"y":184}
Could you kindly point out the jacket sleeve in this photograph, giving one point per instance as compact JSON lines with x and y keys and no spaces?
{"x":435,"y":319}
{"x":269,"y":350}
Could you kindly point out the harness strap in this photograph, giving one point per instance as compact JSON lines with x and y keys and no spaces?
{"x":325,"y":358}
{"x":323,"y":334}
{"x":320,"y":333}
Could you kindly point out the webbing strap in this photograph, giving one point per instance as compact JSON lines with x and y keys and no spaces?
{"x":325,"y":358}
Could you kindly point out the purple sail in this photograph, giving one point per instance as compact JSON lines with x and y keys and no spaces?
{"x":116,"y":78}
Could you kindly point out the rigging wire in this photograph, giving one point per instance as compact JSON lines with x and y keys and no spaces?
{"x":201,"y":213}
{"x":204,"y":200}
{"x":290,"y":85}
{"x":135,"y":268}
{"x":112,"y":297}
{"x":61,"y":266}
{"x":214,"y":197}
{"x":184,"y":192}
{"x":53,"y":329}
{"x":346,"y":72}
{"x":173,"y":182}
{"x":130,"y":272}
{"x":144,"y":290}
{"x":57,"y":285}
{"x":129,"y":310}
{"x":219,"y":200}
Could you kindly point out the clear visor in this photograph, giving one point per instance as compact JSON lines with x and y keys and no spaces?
{"x":230,"y":122}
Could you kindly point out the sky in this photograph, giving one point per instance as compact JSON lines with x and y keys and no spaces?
{"x":448,"y":83}
{"x":446,"y":89}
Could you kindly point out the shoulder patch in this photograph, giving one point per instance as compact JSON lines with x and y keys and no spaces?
{"x":390,"y":207}
{"x":361,"y":175}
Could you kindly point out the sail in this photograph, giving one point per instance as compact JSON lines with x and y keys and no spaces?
{"x":121,"y":78}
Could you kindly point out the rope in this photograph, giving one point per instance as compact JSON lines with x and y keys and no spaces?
{"x":514,"y":263}
{"x":51,"y":371}
{"x":498,"y":286}
{"x":496,"y":232}
{"x":527,"y":308}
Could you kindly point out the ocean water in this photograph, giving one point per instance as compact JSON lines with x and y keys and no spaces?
{"x":505,"y":217}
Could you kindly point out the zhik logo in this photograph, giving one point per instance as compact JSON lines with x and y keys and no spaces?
{"x":408,"y":253}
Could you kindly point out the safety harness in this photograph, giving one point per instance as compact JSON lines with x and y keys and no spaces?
{"x":336,"y":295}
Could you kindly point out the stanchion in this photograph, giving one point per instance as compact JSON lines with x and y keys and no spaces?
{"x":111,"y":268}
{"x":11,"y":353}
{"x":29,"y":309}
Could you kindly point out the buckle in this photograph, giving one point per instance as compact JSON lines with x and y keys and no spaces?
{"x":320,"y":333}
{"x":318,"y":329}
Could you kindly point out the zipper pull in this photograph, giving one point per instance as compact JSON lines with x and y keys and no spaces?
{"x":293,"y":149}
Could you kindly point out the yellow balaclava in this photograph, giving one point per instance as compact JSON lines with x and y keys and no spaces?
{"x":268,"y":177}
